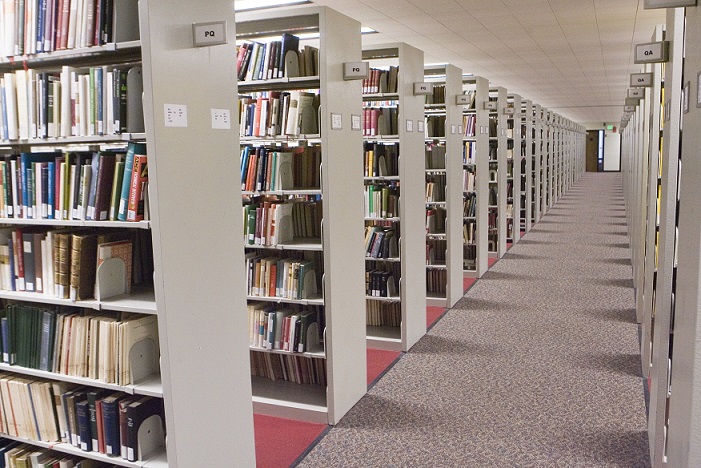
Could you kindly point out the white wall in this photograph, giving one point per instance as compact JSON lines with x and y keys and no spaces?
{"x":612,"y":151}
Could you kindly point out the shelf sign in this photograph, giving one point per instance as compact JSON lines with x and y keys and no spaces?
{"x":636,"y":93}
{"x":641,"y":80}
{"x":462,"y":100}
{"x":423,"y":89}
{"x":629,"y":108}
{"x":652,"y":52}
{"x":356,"y":71}
{"x":490,"y":105}
{"x":508,"y":111}
{"x":209,"y":34}
{"x":652,"y":4}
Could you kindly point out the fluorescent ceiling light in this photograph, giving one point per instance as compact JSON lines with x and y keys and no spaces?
{"x":243,"y":5}
{"x":367,"y":30}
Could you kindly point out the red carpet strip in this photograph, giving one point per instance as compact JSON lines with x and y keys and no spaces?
{"x":280,"y":442}
{"x":379,"y":361}
{"x":433,"y":313}
{"x":492,"y":261}
{"x":467,"y":283}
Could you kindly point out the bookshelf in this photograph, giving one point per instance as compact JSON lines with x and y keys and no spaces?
{"x":545,"y":176}
{"x":402,"y":317}
{"x":527,"y":165}
{"x":659,"y":422}
{"x":31,"y":136}
{"x":645,"y":299}
{"x":683,"y":434}
{"x":513,"y":169}
{"x":476,"y":160}
{"x":537,"y":164}
{"x":174,"y":74}
{"x":444,"y":186}
{"x":498,"y":173}
{"x":318,"y":239}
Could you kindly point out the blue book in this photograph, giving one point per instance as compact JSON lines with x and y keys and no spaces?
{"x":98,"y":98}
{"x":25,"y":161}
{"x":245,"y":156}
{"x":51,"y":188}
{"x":82,"y":411}
{"x":90,"y":209}
{"x":132,"y":149}
{"x":5,"y":330}
{"x":41,"y":14}
{"x":110,"y":423}
{"x":5,"y":134}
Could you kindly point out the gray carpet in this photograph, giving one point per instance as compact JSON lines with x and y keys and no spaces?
{"x":537,"y":366}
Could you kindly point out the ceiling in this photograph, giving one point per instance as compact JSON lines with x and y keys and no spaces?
{"x":571,"y":56}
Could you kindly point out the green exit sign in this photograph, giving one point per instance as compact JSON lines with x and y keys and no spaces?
{"x":609,"y":127}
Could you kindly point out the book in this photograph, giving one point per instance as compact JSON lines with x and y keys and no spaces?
{"x":139,"y":179}
{"x":83,"y":264}
{"x":132,"y":149}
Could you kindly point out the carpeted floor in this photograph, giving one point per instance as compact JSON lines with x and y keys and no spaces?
{"x":537,"y":366}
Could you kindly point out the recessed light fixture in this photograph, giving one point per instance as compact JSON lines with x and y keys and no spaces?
{"x":367,"y":30}
{"x":243,"y":5}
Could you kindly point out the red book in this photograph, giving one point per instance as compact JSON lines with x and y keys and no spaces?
{"x":58,"y":34}
{"x":139,"y":179}
{"x":240,"y":56}
{"x":373,"y":121}
{"x":256,"y":117}
{"x":100,"y":427}
{"x":64,"y":12}
{"x":18,"y":254}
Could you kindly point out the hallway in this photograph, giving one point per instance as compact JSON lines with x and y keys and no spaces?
{"x":538,"y":365}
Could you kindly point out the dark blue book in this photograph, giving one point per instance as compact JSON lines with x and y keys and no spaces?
{"x":82,"y":411}
{"x":25,"y":161}
{"x":110,"y":423}
{"x":41,"y":14}
{"x":5,"y":331}
{"x":51,"y":188}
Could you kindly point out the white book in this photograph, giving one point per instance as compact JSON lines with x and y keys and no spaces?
{"x":11,"y":105}
{"x":3,"y":136}
{"x":32,"y":102}
{"x":66,"y":120}
{"x":72,"y":23}
{"x":30,"y":29}
{"x":83,"y":108}
{"x":22,"y":104}
{"x":13,"y":178}
{"x":293,"y":115}
{"x":79,"y":23}
{"x":60,"y":208}
{"x":109,"y":107}
{"x":8,"y":37}
{"x":38,"y":208}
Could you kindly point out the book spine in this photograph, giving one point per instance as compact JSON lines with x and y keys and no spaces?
{"x":135,"y":209}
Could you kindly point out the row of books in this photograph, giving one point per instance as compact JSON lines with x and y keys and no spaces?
{"x":380,"y":121}
{"x":381,"y":81}
{"x":383,"y":314}
{"x":469,"y":206}
{"x":75,"y":342}
{"x":381,"y":201}
{"x":435,"y":220}
{"x":381,"y":242}
{"x":288,"y":278}
{"x":434,"y":126}
{"x":380,"y":283}
{"x":435,"y":189}
{"x":436,"y":251}
{"x":268,"y":169}
{"x":271,"y":327}
{"x":469,"y":252}
{"x":469,"y":231}
{"x":282,"y":58}
{"x":493,"y":219}
{"x":469,"y":152}
{"x":21,"y":455}
{"x":469,"y":125}
{"x":468,"y":181}
{"x":435,"y":156}
{"x":291,"y":368}
{"x":274,"y":114}
{"x":35,"y":27}
{"x":94,"y":420}
{"x":277,"y":222}
{"x":92,"y":186}
{"x":437,"y":96}
{"x":436,"y":281}
{"x":75,"y":102}
{"x":63,"y":263}
{"x":380,"y":160}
